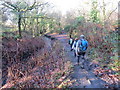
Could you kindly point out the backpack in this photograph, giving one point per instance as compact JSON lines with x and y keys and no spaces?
{"x":84,"y":44}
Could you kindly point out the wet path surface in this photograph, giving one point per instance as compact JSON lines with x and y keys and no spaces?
{"x":82,"y":75}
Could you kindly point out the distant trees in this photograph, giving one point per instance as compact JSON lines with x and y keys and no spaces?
{"x":38,"y":18}
{"x":35,"y":17}
{"x":21,"y":7}
{"x":94,"y":14}
{"x":58,"y":20}
{"x":3,"y":16}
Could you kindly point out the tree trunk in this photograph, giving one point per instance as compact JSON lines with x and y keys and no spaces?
{"x":104,"y":12}
{"x":37,"y":27}
{"x":19,"y":25}
{"x":24,"y":24}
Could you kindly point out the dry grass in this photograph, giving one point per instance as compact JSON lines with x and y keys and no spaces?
{"x":40,"y":69}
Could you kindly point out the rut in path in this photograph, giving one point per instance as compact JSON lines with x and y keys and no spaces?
{"x":83,"y":77}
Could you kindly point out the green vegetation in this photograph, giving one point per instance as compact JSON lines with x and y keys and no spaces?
{"x":25,"y":23}
{"x":30,"y":18}
{"x":34,"y":20}
{"x":94,"y":14}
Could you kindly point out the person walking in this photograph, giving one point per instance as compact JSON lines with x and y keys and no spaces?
{"x":71,"y":40}
{"x":81,"y":47}
{"x":74,"y":46}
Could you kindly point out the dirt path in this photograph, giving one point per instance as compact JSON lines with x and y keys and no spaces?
{"x":82,"y":77}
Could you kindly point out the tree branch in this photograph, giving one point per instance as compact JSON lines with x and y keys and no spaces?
{"x":11,"y":6}
{"x":31,"y":7}
{"x":111,"y":13}
{"x":7,"y":6}
{"x":15,"y":7}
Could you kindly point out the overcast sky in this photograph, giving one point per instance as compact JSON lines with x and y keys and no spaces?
{"x":65,"y":5}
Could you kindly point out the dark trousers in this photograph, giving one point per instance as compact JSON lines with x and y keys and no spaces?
{"x":80,"y":54}
{"x":74,"y":53}
{"x":71,"y":46}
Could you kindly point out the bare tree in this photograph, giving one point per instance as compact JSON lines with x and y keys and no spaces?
{"x":20,"y":10}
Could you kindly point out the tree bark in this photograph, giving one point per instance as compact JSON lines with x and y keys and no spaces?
{"x":104,"y":13}
{"x":19,"y":25}
{"x":37,"y":27}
